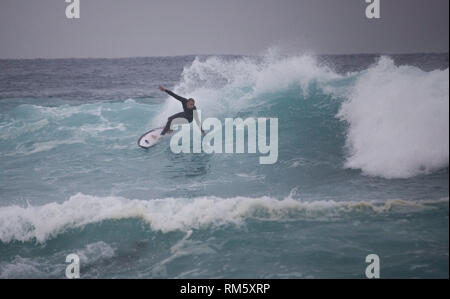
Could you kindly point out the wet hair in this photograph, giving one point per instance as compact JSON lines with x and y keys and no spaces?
{"x":191,"y":99}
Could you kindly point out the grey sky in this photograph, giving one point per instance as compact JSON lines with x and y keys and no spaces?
{"x":126,"y":28}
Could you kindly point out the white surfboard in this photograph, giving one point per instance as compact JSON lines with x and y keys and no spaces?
{"x":150,"y":138}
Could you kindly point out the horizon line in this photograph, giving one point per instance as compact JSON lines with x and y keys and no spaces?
{"x":186,"y":55}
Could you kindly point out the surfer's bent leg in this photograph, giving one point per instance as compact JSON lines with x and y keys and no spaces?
{"x":169,"y":121}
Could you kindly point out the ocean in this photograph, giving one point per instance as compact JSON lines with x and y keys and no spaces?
{"x":363,"y":168}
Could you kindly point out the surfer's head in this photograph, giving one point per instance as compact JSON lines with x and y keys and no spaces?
{"x":190,"y":103}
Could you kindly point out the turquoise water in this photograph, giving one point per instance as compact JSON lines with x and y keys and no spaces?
{"x":362,"y":168}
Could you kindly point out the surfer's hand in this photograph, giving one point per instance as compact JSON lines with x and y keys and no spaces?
{"x":162,"y":88}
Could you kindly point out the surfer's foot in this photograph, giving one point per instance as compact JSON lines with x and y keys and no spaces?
{"x":170,"y":131}
{"x":154,"y":137}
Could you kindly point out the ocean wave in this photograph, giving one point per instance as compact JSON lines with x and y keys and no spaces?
{"x":41,"y":223}
{"x":398,"y":120}
{"x":388,"y":121}
{"x":224,"y":87}
{"x":397,"y":116}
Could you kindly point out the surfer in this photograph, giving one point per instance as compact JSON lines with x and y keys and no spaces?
{"x":188,"y":111}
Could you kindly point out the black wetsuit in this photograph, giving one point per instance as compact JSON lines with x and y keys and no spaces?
{"x":187,"y":113}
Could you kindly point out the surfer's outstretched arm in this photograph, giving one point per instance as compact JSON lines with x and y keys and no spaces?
{"x":179,"y":98}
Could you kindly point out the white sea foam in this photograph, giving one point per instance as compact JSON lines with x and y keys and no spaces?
{"x":15,"y":128}
{"x":53,"y":265}
{"x":398,"y":121}
{"x":41,"y":223}
{"x":21,"y":266}
{"x":49,"y":145}
{"x":228,"y":86}
{"x":95,"y":251}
